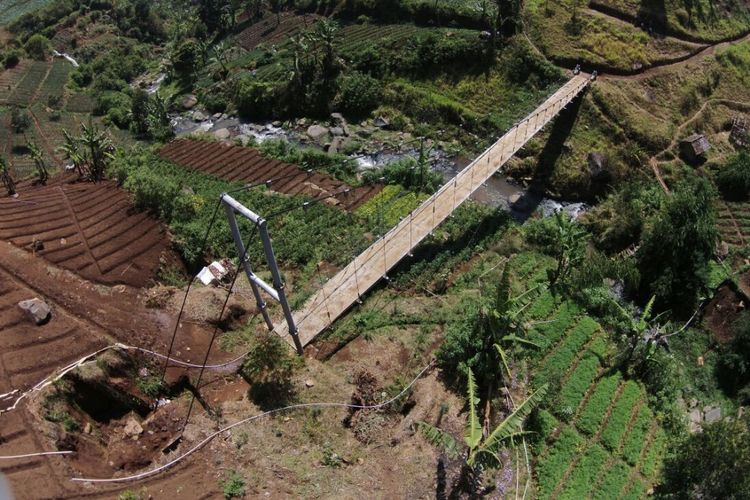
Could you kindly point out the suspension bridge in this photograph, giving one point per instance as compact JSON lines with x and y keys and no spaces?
{"x":350,"y":283}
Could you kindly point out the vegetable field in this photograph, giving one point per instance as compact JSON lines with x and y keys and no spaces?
{"x":25,"y":91}
{"x":606,"y":441}
{"x":733,"y":222}
{"x":13,"y":9}
{"x":270,"y":30}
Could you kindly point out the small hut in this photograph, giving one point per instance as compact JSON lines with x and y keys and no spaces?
{"x":738,"y":135}
{"x":694,"y":147}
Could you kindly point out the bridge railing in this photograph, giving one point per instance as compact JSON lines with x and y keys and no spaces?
{"x":366,"y":269}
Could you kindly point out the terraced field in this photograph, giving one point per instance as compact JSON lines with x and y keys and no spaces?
{"x":240,"y":164}
{"x":10,"y":10}
{"x":608,"y":443}
{"x":733,"y":222}
{"x":90,"y":229}
{"x":270,"y":31}
{"x":26,"y":90}
{"x":9,"y":78}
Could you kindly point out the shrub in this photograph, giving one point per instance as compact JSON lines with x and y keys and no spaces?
{"x":19,"y":120}
{"x":734,"y":179}
{"x":257,"y":100}
{"x":408,"y":173}
{"x":358,"y":94}
{"x":233,"y":485}
{"x":153,"y":192}
{"x":37,"y":47}
{"x":269,"y":367}
{"x":11,"y":58}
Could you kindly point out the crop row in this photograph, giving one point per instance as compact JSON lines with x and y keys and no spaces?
{"x":552,"y":467}
{"x":525,"y":263}
{"x":637,"y":491}
{"x":354,"y":36}
{"x":593,"y":413}
{"x":636,"y":438}
{"x":542,"y":307}
{"x":80,"y":103}
{"x":587,"y":469}
{"x":9,"y":78}
{"x":10,"y":11}
{"x":549,"y":332}
{"x":618,"y":421}
{"x":54,"y":84}
{"x":654,"y":454}
{"x":386,"y":208}
{"x":613,"y":483}
{"x":576,"y":386}
{"x":23,"y":94}
{"x":561,"y":359}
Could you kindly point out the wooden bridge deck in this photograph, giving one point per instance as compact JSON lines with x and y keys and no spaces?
{"x":345,"y":288}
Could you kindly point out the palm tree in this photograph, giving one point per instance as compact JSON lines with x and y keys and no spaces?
{"x":326,"y":32}
{"x":482,"y":449}
{"x":72,"y":149}
{"x":98,"y":148}
{"x":38,"y":158}
{"x":6,"y":178}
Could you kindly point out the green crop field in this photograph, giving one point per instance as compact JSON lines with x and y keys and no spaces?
{"x":609,"y":444}
{"x":26,"y":89}
{"x":10,"y":10}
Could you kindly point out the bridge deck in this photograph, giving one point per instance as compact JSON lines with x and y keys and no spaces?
{"x":343,"y":289}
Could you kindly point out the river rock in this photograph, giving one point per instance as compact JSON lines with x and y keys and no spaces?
{"x":36,"y":309}
{"x":382,"y":122}
{"x":337,"y":118}
{"x":199,"y":116}
{"x":336,"y":144}
{"x":317,"y":132}
{"x":222,"y":134}
{"x":337,"y":131}
{"x":712,"y":414}
{"x":189,"y":101}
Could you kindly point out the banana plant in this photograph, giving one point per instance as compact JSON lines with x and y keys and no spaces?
{"x":483,"y":451}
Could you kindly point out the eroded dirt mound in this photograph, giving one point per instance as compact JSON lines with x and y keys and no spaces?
{"x":722,"y":312}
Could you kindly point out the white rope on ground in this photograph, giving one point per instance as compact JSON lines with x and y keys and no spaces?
{"x":41,"y":454}
{"x":201,"y":444}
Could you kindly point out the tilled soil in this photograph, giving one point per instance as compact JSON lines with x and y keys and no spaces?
{"x":240,"y":164}
{"x":90,"y":229}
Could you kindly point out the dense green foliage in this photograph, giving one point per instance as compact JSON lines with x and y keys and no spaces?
{"x":269,"y":368}
{"x":700,"y":466}
{"x":676,"y":249}
{"x":733,"y":179}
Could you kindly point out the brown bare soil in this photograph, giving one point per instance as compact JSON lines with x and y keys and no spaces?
{"x":240,"y":164}
{"x":90,"y":229}
{"x":272,"y":29}
{"x":722,"y":312}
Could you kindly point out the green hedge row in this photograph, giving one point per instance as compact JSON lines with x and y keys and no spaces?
{"x":596,"y":407}
{"x":618,"y":421}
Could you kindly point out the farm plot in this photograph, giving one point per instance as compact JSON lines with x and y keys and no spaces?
{"x":51,"y":91}
{"x":90,"y":229}
{"x":240,"y":164}
{"x":273,"y":30}
{"x":9,"y":78}
{"x":734,"y":222}
{"x":26,"y":89}
{"x":607,"y":443}
{"x":355,"y":36}
{"x":12,"y":10}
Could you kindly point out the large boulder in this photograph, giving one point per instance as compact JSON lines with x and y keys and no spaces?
{"x":222,"y":134}
{"x":317,"y":132}
{"x":189,"y":101}
{"x":36,"y":310}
